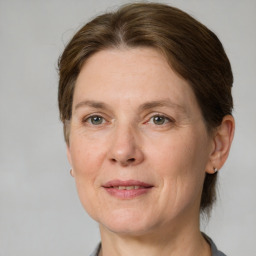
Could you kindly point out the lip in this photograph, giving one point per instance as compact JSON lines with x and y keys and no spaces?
{"x":111,"y":188}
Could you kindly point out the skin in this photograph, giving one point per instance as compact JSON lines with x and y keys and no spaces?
{"x":147,"y":126}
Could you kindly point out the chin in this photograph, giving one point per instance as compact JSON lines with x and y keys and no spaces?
{"x":128,"y":222}
{"x":127,"y":230}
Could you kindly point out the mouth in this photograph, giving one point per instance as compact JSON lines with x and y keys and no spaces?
{"x":127,"y":189}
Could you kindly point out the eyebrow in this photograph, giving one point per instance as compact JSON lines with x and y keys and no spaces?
{"x":161,"y":103}
{"x":92,"y":104}
{"x":145,"y":106}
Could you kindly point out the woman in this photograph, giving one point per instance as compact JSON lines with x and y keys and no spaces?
{"x":145,"y":99}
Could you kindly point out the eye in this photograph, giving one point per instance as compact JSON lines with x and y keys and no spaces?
{"x":159,"y":120}
{"x":95,"y":120}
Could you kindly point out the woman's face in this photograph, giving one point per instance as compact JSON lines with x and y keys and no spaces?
{"x":138,"y":146}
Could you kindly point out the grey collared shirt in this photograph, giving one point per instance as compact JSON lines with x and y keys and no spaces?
{"x":215,"y":251}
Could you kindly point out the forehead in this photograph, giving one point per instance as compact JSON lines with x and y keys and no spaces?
{"x":139,"y":74}
{"x":124,"y":62}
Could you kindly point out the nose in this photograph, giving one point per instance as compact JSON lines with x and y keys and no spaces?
{"x":125,"y":147}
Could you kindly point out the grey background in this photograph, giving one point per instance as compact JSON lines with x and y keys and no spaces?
{"x":40,"y":213}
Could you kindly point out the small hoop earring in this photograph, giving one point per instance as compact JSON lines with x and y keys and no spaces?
{"x":71,"y":172}
{"x":215,"y":169}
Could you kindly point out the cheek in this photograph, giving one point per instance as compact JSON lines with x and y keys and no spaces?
{"x":87,"y":158}
{"x":86,"y":154}
{"x":177,"y":154}
{"x":180,"y":163}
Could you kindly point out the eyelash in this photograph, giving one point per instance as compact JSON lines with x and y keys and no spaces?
{"x":90,"y":118}
{"x":165,"y":120}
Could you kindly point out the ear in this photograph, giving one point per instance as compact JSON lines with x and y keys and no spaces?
{"x":222,"y":140}
{"x":70,"y":160}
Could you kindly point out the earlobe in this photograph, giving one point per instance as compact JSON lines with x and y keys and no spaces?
{"x":72,"y":172}
{"x":223,"y":137}
{"x":70,"y":160}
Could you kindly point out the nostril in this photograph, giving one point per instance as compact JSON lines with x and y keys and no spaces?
{"x":125,"y":162}
{"x":131,"y":160}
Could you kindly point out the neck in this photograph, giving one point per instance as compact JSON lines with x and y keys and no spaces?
{"x":175,"y":241}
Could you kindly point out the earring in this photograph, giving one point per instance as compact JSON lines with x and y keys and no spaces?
{"x":215,"y":169}
{"x":71,"y":172}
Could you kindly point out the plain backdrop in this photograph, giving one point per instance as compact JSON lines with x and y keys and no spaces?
{"x":40,"y":213}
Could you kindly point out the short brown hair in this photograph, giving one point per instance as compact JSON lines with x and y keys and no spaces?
{"x":190,"y":48}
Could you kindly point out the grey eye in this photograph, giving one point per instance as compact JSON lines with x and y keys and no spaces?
{"x":159,"y":120}
{"x":96,"y":120}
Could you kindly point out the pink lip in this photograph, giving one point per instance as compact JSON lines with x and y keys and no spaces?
{"x":111,"y":188}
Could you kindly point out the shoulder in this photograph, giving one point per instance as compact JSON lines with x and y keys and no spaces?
{"x":214,"y":249}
